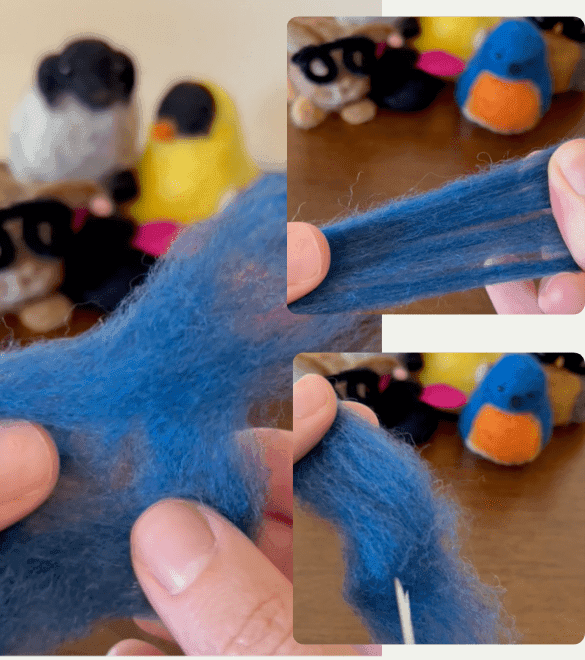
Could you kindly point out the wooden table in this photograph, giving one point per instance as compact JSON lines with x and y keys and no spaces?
{"x":337,"y":168}
{"x":526,"y":532}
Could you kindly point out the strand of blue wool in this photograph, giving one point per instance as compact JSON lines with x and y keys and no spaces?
{"x":381,"y":498}
{"x":488,"y":228}
{"x":147,"y":406}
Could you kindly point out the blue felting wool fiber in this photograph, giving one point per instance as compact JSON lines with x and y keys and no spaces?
{"x":147,"y":405}
{"x":484,"y":229}
{"x":383,"y":502}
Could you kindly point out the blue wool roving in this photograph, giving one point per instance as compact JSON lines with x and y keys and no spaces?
{"x":146,"y":405}
{"x":382,"y":500}
{"x":484,"y":229}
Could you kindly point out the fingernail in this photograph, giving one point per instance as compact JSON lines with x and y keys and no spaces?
{"x":303,"y":253}
{"x":572,"y":165}
{"x":563,"y":293}
{"x":310,"y":395}
{"x":174,"y":542}
{"x":25,"y":460}
{"x":549,"y":286}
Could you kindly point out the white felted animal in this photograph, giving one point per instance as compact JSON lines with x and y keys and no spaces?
{"x":79,"y":121}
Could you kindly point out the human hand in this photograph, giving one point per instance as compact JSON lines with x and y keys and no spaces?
{"x":563,"y":293}
{"x":29,"y":468}
{"x":308,"y":259}
{"x":215,"y":591}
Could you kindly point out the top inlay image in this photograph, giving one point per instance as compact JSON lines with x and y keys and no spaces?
{"x":436,"y":165}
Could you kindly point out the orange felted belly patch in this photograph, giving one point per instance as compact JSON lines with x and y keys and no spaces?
{"x":505,"y":106}
{"x":503,"y":437}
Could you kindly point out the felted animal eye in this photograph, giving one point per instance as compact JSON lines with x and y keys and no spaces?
{"x":45,"y":232}
{"x":531,"y":395}
{"x":318,"y":68}
{"x":358,"y":58}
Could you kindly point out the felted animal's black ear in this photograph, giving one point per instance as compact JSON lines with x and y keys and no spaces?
{"x":49,"y":79}
{"x":125,"y":69}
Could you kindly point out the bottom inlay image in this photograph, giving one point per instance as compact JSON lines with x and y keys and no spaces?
{"x":443,"y":503}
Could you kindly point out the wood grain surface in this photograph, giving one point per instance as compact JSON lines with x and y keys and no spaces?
{"x":336,"y":168}
{"x":525,"y":531}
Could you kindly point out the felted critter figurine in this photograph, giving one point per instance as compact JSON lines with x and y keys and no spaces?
{"x":79,"y":121}
{"x":565,"y":374}
{"x":195,"y":157}
{"x":397,"y":82}
{"x":509,"y":419}
{"x":565,"y":42}
{"x":449,"y":379}
{"x":33,"y":239}
{"x":457,"y":35}
{"x":507,"y":85}
{"x":35,"y":236}
{"x":329,"y":64}
{"x":47,"y":265}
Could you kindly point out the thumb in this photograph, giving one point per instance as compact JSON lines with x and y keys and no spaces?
{"x":308,"y":259}
{"x":566,"y":172}
{"x":29,"y":469}
{"x":213,"y":589}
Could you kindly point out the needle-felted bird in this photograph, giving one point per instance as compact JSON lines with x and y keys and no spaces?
{"x":508,"y":419}
{"x":79,"y":120}
{"x":195,"y":157}
{"x":507,"y":85}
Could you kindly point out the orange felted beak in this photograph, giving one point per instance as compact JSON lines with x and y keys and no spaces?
{"x":504,"y":437}
{"x":163,"y":131}
{"x":508,"y":106}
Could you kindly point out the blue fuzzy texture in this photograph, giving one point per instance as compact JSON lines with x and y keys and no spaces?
{"x":484,"y":229}
{"x":393,"y":523}
{"x":515,"y":50}
{"x":146,"y":405}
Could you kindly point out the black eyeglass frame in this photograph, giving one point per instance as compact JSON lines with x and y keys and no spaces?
{"x":33,"y":214}
{"x":350,"y":45}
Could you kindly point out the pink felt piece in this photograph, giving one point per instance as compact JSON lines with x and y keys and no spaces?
{"x":440,"y":395}
{"x":385,"y":380}
{"x":440,"y":64}
{"x":380,"y":48}
{"x":155,"y":238}
{"x":79,"y":217}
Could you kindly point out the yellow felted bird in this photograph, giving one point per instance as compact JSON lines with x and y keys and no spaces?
{"x":463,"y":371}
{"x":195,"y":158}
{"x":452,"y":34}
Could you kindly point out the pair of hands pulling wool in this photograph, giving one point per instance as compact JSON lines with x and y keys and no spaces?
{"x":187,"y":557}
{"x":309,"y":257}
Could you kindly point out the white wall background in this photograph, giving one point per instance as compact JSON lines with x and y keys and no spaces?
{"x":239,"y":44}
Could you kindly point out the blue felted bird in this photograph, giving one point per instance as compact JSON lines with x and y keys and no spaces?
{"x":508,"y":419}
{"x":507,"y":85}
